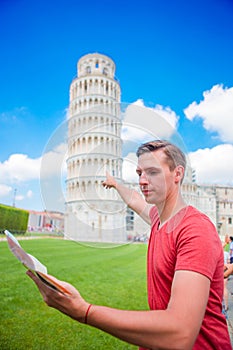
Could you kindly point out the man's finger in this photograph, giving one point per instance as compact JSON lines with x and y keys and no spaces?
{"x":34,"y":278}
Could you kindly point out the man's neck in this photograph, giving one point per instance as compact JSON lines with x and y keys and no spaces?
{"x":170,"y":208}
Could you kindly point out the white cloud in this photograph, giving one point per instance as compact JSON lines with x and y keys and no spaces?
{"x":216,"y":110}
{"x":143,"y":123}
{"x":53,"y":162}
{"x":19,"y":171}
{"x":29,"y":194}
{"x":129,"y":168}
{"x":19,"y":168}
{"x":19,"y":197}
{"x":213,"y":166}
{"x":5,"y":190}
{"x":13,"y":115}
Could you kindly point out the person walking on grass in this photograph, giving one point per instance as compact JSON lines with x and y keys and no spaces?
{"x":185,"y":283}
{"x":231,"y":249}
{"x":226,"y":257}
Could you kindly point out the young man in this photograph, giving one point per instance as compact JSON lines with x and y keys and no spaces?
{"x":185,"y":276}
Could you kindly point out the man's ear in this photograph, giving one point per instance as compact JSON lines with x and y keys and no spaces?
{"x":179,"y":173}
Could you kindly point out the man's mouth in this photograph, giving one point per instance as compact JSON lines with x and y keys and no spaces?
{"x":145,"y":192}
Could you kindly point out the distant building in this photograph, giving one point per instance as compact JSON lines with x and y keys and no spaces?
{"x":46,"y":221}
{"x":224,"y":207}
{"x":198,"y":196}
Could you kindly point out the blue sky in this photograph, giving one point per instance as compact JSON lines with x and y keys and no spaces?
{"x":173,"y":57}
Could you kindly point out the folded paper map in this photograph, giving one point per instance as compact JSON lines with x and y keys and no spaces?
{"x":33,"y":264}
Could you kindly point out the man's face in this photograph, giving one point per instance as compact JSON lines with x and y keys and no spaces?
{"x":156,"y":180}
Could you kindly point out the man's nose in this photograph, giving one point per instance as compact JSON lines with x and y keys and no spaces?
{"x":143,"y":179}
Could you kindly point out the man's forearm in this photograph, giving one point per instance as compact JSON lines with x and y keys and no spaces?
{"x":150,"y":329}
{"x":134,"y":200}
{"x":128,"y":195}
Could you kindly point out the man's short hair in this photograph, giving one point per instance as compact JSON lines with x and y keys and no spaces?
{"x":173,"y":153}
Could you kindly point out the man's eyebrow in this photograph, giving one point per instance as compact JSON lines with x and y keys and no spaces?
{"x":147,"y":169}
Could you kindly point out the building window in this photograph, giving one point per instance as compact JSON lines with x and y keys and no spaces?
{"x":105,"y":71}
{"x":129,"y":220}
{"x":230,"y":221}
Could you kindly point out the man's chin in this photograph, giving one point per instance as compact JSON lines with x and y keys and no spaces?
{"x":149,"y":200}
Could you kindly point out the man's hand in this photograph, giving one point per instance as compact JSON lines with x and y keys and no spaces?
{"x":72,"y":305}
{"x":228,"y":270}
{"x":110,"y":181}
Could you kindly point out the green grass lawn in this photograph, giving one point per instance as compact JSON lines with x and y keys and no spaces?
{"x":113,"y":277}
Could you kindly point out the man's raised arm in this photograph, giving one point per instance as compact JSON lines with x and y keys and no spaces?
{"x":131,"y":197}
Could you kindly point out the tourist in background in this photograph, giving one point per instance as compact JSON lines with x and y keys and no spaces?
{"x":226,"y":262}
{"x":231,"y":249}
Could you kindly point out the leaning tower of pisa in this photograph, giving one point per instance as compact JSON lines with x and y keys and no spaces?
{"x":94,"y":147}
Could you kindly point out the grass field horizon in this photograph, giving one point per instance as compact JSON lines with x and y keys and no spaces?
{"x":115,"y":277}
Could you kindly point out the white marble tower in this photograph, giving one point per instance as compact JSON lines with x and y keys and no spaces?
{"x":94,"y":147}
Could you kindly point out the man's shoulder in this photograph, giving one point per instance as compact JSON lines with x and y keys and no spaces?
{"x":195,"y":219}
{"x":194,"y":212}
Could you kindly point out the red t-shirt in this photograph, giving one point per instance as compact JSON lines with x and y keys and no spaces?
{"x":188,"y":241}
